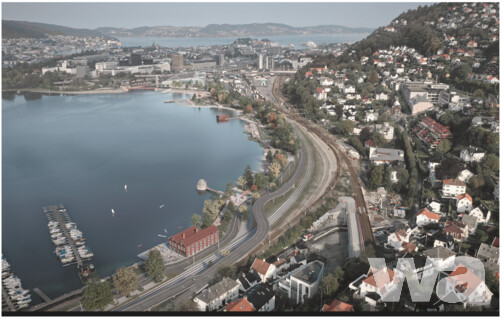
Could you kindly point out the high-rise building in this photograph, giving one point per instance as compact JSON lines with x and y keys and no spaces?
{"x":220,"y":59}
{"x":177,"y":62}
{"x":260,"y":62}
{"x":135,"y":59}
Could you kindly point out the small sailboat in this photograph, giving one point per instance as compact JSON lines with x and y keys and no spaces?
{"x":113,"y":212}
{"x":180,"y":227}
{"x":161,"y":206}
{"x":126,"y":187}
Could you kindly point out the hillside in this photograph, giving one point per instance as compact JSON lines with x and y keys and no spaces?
{"x":23,"y":29}
{"x":228,"y":30}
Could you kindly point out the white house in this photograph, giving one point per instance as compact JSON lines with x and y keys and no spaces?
{"x":264,"y":269}
{"x":397,"y":239}
{"x":218,"y":295}
{"x":468,"y":287}
{"x":326,"y":81}
{"x":320,"y":94}
{"x":425,"y":216}
{"x":465,"y":175}
{"x":349,"y":89}
{"x":435,"y":207}
{"x":382,"y":96}
{"x":464,"y":203}
{"x":478,"y":213}
{"x":382,"y":282}
{"x":371,"y":116}
{"x":443,"y":258}
{"x":452,"y":188}
{"x":471,"y":154}
{"x":303,"y":283}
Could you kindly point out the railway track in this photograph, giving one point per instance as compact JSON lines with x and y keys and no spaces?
{"x":360,"y":203}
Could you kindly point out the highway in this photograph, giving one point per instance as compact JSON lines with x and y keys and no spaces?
{"x":198,"y":275}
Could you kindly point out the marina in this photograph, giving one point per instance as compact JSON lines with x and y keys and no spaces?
{"x":14,"y":297}
{"x":70,"y":245}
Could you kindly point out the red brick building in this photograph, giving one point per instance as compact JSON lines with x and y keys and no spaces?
{"x":192,"y":240}
{"x":431,"y":132}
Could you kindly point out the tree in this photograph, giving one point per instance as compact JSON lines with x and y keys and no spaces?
{"x":245,"y":216}
{"x":187,"y":305}
{"x":196,"y":220}
{"x":347,"y":126}
{"x":365,"y":135}
{"x":242,"y":182}
{"x":97,"y":295}
{"x":155,"y":266}
{"x":249,"y":176}
{"x":193,"y":97}
{"x":373,"y":77}
{"x":269,"y":156}
{"x":260,"y":180}
{"x":490,"y":162}
{"x":376,"y":176}
{"x":444,"y":146}
{"x":249,"y":109}
{"x":125,"y":281}
{"x":275,"y":169}
{"x":329,"y":284}
{"x":448,"y":169}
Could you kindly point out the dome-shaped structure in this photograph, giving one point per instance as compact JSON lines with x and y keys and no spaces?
{"x":201,"y":185}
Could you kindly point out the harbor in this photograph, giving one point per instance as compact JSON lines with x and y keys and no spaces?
{"x":70,"y":245}
{"x":14,"y":297}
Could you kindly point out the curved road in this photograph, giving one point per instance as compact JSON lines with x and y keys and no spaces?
{"x":197,"y":276}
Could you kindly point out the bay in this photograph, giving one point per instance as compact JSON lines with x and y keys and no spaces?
{"x":282,"y":40}
{"x":81,"y":150}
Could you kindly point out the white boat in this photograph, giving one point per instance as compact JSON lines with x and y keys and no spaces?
{"x":68,"y":259}
{"x":70,"y":225}
{"x":126,"y":187}
{"x":56,"y":235}
{"x":87,"y":255}
{"x":161,"y":206}
{"x":21,"y":297}
{"x":309,"y":44}
{"x":20,"y":291}
{"x":53,"y":224}
{"x":23,"y":305}
{"x":113,"y":212}
{"x":54,"y":230}
{"x":5,"y":264}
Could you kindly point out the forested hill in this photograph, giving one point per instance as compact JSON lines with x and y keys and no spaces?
{"x":423,"y":29}
{"x":23,"y":29}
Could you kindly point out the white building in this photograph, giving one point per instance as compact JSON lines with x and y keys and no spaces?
{"x":468,"y":287}
{"x":464,"y":203}
{"x":303,"y":283}
{"x":218,"y":295}
{"x":425,"y":216}
{"x":465,"y":175}
{"x":452,"y":188}
{"x":470,"y":155}
{"x":397,"y":239}
{"x":478,"y":214}
{"x":264,"y":269}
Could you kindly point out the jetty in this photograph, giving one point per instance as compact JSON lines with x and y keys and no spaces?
{"x":6,"y":301}
{"x":66,"y":237}
{"x":42,"y":295}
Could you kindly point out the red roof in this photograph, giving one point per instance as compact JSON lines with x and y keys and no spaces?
{"x":337,"y":306}
{"x":380,"y":273}
{"x":495,"y":242}
{"x":192,"y":235}
{"x":319,"y":90}
{"x":240,"y":306}
{"x":462,"y":196}
{"x":260,"y":266}
{"x":454,"y":182}
{"x":428,"y":214}
{"x":464,"y":280}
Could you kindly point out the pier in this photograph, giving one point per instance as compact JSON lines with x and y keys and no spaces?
{"x":8,"y":301}
{"x":42,"y":295}
{"x":58,"y":213}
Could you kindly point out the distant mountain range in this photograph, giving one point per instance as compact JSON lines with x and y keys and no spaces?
{"x":229,"y":30}
{"x":24,"y":29}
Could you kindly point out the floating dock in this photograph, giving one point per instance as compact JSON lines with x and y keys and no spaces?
{"x":14,"y":297}
{"x":70,"y":245}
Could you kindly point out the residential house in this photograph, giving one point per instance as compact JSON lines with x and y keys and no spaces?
{"x":324,"y":81}
{"x":464,"y":203}
{"x":248,"y":280}
{"x":470,"y":221}
{"x":425,"y":216}
{"x":489,"y":255}
{"x":264,"y":269}
{"x":435,"y":207}
{"x":218,"y":295}
{"x":452,"y":188}
{"x":468,"y":287}
{"x":465,"y":175}
{"x":382,"y":282}
{"x":431,"y":132}
{"x":439,"y":239}
{"x":337,"y":306}
{"x":349,"y":89}
{"x":384,"y":155}
{"x":242,"y":305}
{"x":446,"y":256}
{"x":471,"y":154}
{"x":435,"y":182}
{"x":303,"y":283}
{"x":397,"y":239}
{"x":320,"y":94}
{"x":381,"y":97}
{"x":457,"y":230}
{"x":371,"y":116}
{"x":478,"y":214}
{"x":262,"y":298}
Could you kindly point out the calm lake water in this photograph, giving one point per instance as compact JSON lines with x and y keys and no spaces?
{"x":81,"y":150}
{"x":285,"y":40}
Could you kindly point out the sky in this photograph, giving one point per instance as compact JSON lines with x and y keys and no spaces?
{"x":133,"y":14}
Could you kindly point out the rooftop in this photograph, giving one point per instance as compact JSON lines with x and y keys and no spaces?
{"x":310,"y":273}
{"x":217,"y":290}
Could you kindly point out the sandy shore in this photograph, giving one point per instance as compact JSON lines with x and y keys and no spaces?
{"x":97,"y":91}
